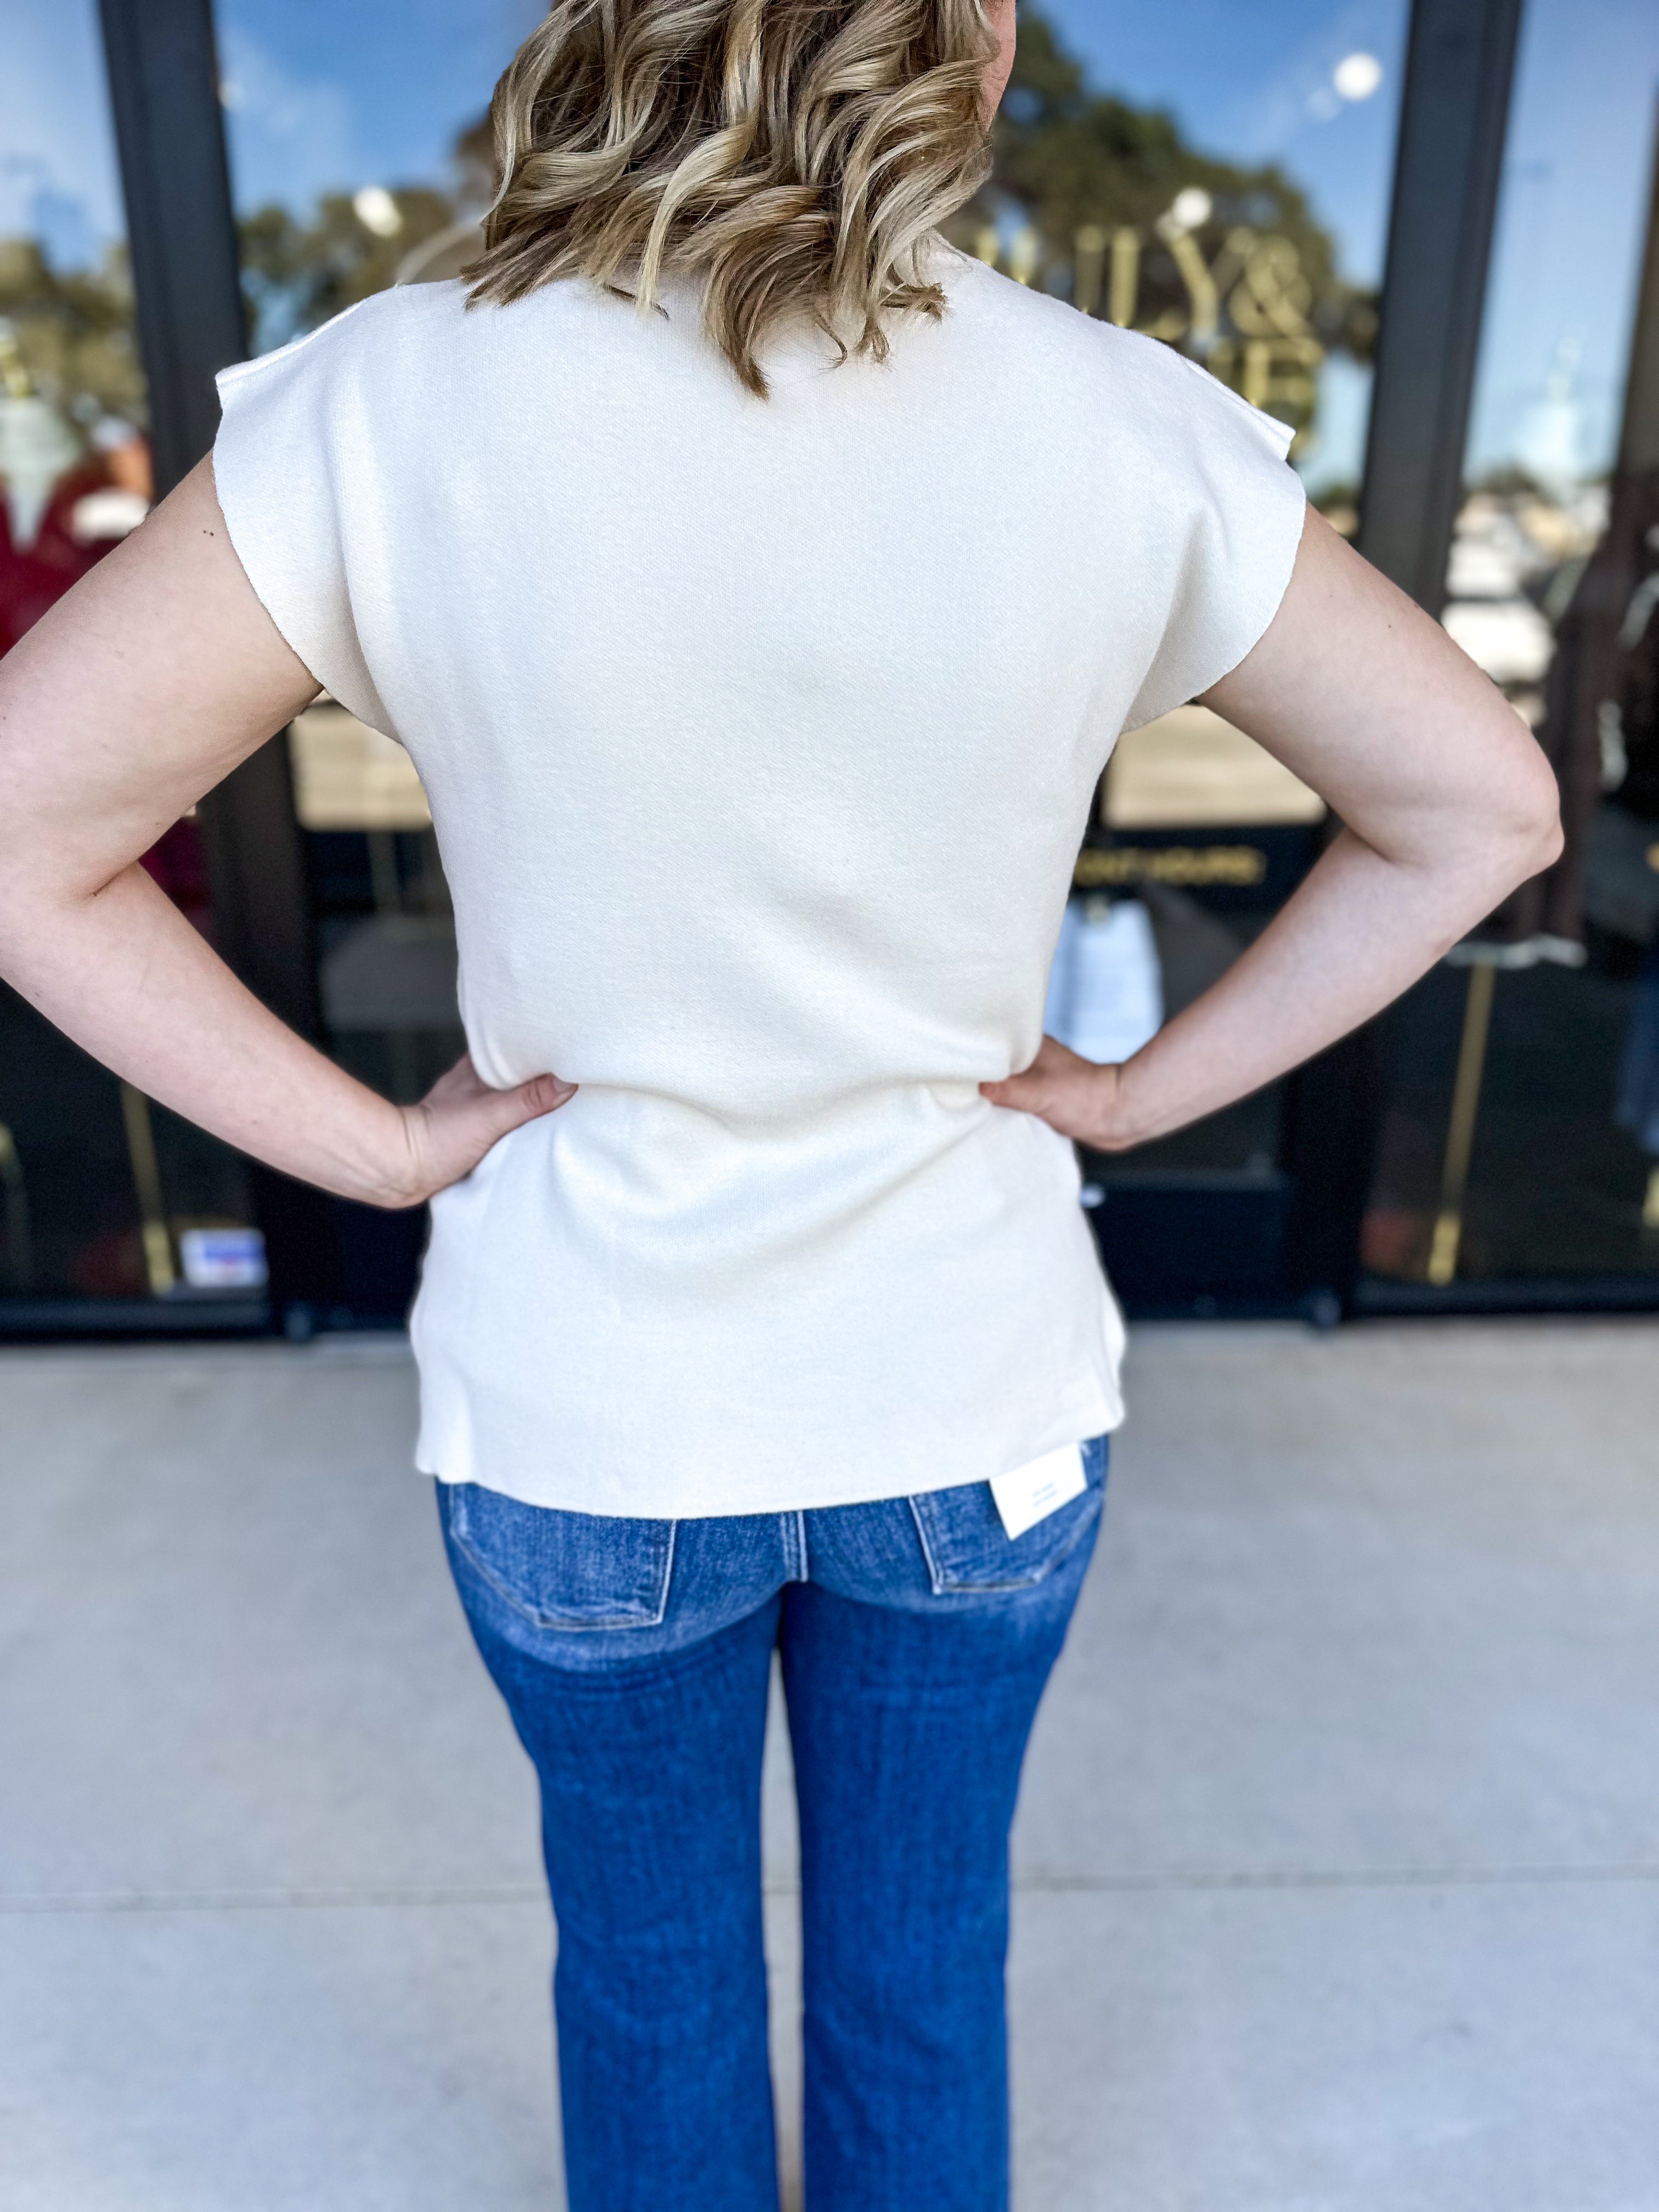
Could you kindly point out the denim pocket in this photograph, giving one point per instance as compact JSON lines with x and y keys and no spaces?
{"x":967,"y":1549}
{"x":564,"y":1570}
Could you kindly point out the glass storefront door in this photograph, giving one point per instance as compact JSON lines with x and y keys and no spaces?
{"x":110,"y":1208}
{"x":1214,"y":178}
{"x":1520,"y":1153}
{"x":360,"y":158}
{"x":1219,"y":184}
{"x":1218,"y":178}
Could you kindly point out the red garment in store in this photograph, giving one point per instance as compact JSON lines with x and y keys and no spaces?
{"x":35,"y":577}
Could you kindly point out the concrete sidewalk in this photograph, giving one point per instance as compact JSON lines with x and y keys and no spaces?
{"x":1338,"y":1859}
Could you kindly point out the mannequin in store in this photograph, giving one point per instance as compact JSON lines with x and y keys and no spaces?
{"x":65,"y":498}
{"x":759,"y":587}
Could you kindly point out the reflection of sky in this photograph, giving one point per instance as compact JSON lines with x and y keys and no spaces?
{"x":1244,"y":83}
{"x":57,"y":176}
{"x":322,"y":95}
{"x":326,"y":95}
{"x":1564,"y":274}
{"x":1253,"y":84}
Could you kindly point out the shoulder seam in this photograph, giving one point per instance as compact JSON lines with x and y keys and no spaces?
{"x":236,"y":370}
{"x":1256,"y":415}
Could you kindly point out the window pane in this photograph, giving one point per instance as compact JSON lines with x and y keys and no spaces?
{"x":358,"y":145}
{"x":1219,"y":176}
{"x":1217,"y":180}
{"x":1524,"y":1126}
{"x":360,"y":158}
{"x":101,"y":1195}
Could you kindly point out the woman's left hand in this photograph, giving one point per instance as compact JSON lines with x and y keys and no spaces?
{"x":1447,"y":805}
{"x":1081,"y":1098}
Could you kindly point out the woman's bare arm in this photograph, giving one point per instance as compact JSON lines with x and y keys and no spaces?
{"x":161,"y":672}
{"x":1447,"y":805}
{"x":139,"y":690}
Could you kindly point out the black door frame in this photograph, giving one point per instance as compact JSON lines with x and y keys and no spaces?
{"x":1453,"y":123}
{"x":162,"y":64}
{"x":1455,"y":106}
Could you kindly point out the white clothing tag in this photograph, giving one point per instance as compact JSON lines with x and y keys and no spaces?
{"x":1031,"y":1493}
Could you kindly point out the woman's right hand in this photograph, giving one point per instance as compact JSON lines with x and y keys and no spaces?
{"x":168,"y":626}
{"x":461,"y":1117}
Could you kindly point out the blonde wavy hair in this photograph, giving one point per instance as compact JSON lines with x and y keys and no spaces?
{"x":796,"y":154}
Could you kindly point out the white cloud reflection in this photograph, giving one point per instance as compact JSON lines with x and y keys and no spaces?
{"x":291,"y":134}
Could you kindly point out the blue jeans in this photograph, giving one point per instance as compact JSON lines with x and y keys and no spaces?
{"x":635,"y":1656}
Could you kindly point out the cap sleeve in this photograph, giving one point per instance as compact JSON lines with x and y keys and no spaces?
{"x":1242,"y":508}
{"x":282,"y":463}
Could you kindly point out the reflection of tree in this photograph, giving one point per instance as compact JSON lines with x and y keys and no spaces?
{"x":1113,"y":209}
{"x":74,"y":331}
{"x":1102,"y":202}
{"x":295,"y":274}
